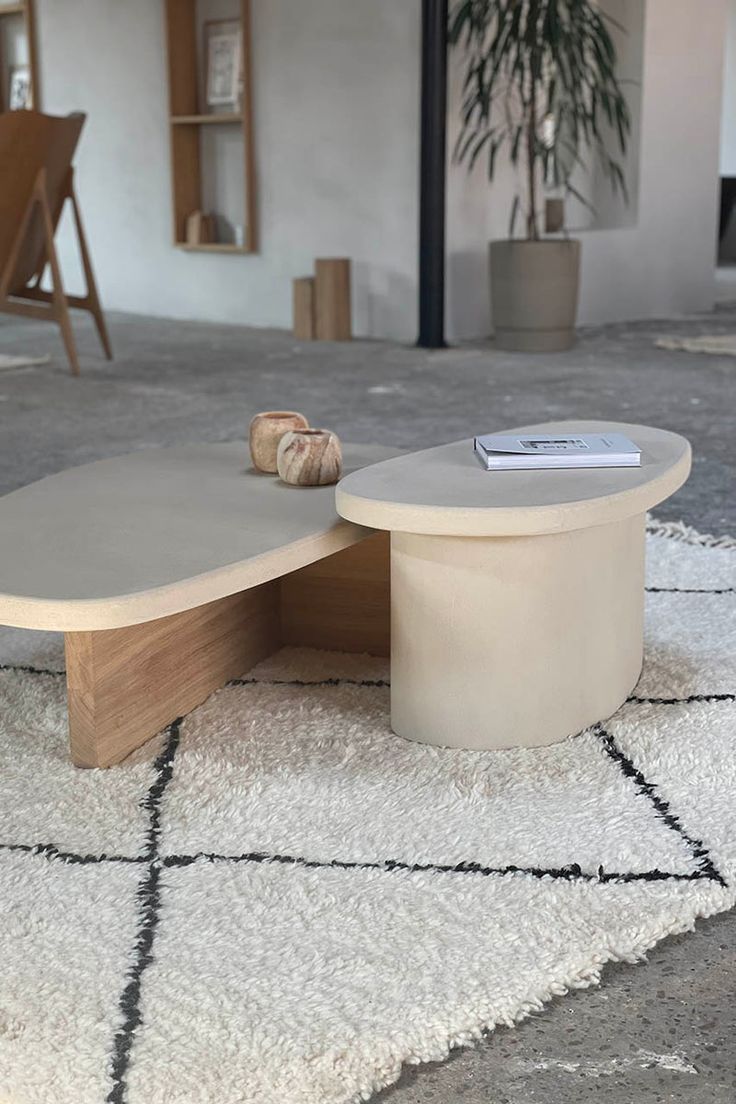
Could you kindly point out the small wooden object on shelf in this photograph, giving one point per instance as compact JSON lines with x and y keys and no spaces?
{"x":201,"y":229}
{"x":309,"y":458}
{"x":304,"y":308}
{"x":332,"y":299}
{"x":266,"y":431}
{"x":24,"y":9}
{"x":187,"y":117}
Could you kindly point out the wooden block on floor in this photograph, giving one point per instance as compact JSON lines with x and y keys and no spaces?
{"x":342,"y":602}
{"x":304,"y":321}
{"x":125,"y":685}
{"x":332,"y":299}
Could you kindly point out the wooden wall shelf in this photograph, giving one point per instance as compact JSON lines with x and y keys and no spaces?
{"x":24,"y":9}
{"x":187,"y":118}
{"x":213,"y":247}
{"x":204,"y":120}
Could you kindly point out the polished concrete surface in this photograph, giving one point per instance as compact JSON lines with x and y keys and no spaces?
{"x":661,"y":1031}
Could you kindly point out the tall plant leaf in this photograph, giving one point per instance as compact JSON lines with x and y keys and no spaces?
{"x":529,"y":58}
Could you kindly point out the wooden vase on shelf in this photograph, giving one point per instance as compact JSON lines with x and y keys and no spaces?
{"x":310,"y":458}
{"x":201,"y":229}
{"x":266,"y":430}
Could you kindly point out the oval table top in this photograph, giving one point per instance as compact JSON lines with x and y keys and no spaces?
{"x":446,"y":491}
{"x":129,"y":539}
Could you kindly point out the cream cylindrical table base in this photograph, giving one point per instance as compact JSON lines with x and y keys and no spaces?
{"x":508,"y":641}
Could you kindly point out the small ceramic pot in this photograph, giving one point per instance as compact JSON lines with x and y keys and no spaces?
{"x":266,"y":430}
{"x":310,"y":458}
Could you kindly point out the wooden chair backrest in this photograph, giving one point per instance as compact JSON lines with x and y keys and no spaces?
{"x":30,"y":142}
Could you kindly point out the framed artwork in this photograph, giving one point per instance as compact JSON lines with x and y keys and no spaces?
{"x":19,"y":96}
{"x":223,"y":81}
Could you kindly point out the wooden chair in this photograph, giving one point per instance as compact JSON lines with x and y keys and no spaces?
{"x":36,"y":179}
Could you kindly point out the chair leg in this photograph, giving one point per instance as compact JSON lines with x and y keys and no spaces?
{"x":93,"y":298}
{"x":65,"y":324}
{"x":60,"y":307}
{"x":102,"y":330}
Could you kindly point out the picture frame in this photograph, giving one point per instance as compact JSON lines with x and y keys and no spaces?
{"x":20,"y":91}
{"x":223,"y":51}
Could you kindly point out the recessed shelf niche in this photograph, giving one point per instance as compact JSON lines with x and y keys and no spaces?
{"x":212,"y":149}
{"x":18,"y":50}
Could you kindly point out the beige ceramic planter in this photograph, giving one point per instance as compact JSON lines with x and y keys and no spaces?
{"x":534,"y":293}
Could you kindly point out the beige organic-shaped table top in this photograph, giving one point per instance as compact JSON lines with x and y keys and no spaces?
{"x":445,"y":490}
{"x":126,"y":540}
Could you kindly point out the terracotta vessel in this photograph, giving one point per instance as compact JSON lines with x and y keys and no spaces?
{"x":266,"y":430}
{"x":310,"y":458}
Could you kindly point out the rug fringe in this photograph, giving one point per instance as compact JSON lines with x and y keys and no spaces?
{"x":679,"y":531}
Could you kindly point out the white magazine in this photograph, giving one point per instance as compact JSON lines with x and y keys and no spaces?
{"x":502,"y":452}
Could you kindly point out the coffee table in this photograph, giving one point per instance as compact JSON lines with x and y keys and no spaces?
{"x":171,"y":571}
{"x":517,"y":598}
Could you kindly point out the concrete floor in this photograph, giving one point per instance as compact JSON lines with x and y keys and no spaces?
{"x":663,"y":1031}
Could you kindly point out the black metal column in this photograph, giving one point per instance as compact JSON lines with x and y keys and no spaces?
{"x":432,"y":175}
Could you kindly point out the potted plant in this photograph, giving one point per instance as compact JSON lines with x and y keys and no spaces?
{"x":540,"y":82}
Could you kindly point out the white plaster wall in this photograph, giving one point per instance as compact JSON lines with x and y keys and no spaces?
{"x":663,"y":264}
{"x":336,"y":107}
{"x":728,"y":111}
{"x":336,"y":110}
{"x":611,"y":210}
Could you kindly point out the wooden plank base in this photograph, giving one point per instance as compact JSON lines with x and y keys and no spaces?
{"x":125,"y":685}
{"x":332,"y":302}
{"x":342,"y":602}
{"x":304,"y":308}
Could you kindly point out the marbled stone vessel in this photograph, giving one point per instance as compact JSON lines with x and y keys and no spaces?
{"x":266,"y":430}
{"x":310,"y":457}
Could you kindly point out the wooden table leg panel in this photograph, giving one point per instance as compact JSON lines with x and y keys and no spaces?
{"x":125,"y":685}
{"x":342,"y":602}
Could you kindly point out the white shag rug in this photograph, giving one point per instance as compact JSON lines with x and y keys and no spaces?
{"x":7,"y":362}
{"x":716,"y":344}
{"x":278,"y":901}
